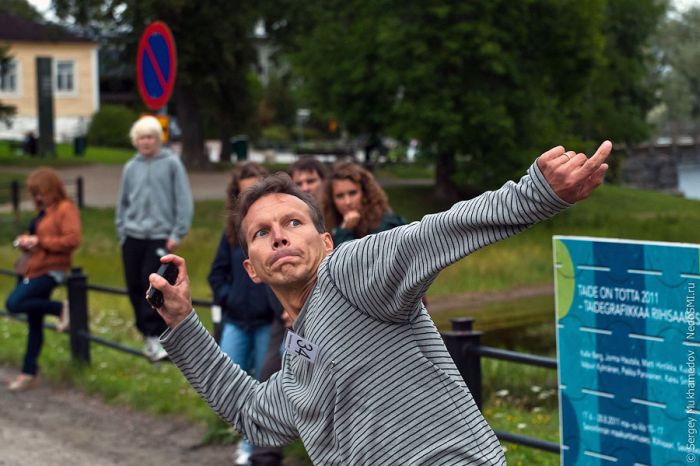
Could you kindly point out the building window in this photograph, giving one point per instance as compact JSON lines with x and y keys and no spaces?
{"x":65,"y":76}
{"x":8,"y":77}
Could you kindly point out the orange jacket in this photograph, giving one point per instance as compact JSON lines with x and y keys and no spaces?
{"x":59,"y":235}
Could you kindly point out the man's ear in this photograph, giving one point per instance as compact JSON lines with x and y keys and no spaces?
{"x":248,"y":266}
{"x":327,"y":242}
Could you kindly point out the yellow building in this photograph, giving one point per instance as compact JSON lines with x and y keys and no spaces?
{"x":75,"y":77}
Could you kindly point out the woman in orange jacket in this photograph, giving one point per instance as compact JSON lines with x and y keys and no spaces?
{"x":52,"y":237}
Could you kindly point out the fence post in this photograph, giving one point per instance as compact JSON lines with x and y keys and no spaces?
{"x":78,"y":305}
{"x":79,"y":192}
{"x":14,"y":195}
{"x":458,"y":341}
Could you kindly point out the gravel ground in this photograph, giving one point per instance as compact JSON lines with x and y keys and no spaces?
{"x":60,"y":427}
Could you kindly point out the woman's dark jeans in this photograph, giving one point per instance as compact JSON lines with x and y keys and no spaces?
{"x":31,"y":297}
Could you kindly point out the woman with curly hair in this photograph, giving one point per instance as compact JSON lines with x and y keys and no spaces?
{"x":248,"y":309}
{"x":356,"y":205}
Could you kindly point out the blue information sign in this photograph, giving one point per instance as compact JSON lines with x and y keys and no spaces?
{"x":627,"y":348}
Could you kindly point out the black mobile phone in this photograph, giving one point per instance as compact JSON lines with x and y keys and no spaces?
{"x":155,"y":297}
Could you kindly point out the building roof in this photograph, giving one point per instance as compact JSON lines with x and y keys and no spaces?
{"x":16,"y":29}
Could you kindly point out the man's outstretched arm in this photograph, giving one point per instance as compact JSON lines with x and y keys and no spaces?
{"x":386,"y":274}
{"x":258,"y":410}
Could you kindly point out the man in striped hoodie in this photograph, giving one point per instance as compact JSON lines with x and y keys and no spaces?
{"x":366,"y":378}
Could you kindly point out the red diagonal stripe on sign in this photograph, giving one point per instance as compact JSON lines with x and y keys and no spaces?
{"x":156,"y":65}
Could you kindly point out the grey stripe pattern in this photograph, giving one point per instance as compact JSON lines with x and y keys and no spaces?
{"x":383,"y":389}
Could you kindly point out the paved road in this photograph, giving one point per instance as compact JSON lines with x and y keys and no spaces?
{"x":101,"y":184}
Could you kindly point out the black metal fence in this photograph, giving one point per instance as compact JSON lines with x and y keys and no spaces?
{"x":75,"y":188}
{"x":463,"y":343}
{"x":77,"y":288}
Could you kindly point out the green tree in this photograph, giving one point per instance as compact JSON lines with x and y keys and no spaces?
{"x":21,"y":8}
{"x":492,"y":82}
{"x":215,"y":57}
{"x":482,"y":80}
{"x":623,"y":87}
{"x":678,"y":45}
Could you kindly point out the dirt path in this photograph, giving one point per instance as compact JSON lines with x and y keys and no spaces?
{"x":63,"y":427}
{"x":474,"y":300}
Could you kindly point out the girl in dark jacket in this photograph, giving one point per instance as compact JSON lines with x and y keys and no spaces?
{"x":248,"y":309}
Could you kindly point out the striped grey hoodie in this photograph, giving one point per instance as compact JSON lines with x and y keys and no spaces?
{"x":383,"y":389}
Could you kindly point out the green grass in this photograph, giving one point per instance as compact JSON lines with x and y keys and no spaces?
{"x":405,"y":170}
{"x":526,"y":259}
{"x":65,"y":156}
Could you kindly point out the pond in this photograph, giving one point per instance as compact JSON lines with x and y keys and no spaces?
{"x":526,"y":325}
{"x":689,"y":180}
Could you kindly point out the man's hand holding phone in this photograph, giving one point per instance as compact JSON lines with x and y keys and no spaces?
{"x":176,"y":302}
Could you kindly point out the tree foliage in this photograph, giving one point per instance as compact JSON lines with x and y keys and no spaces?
{"x":485,"y":86}
{"x":623,"y":87}
{"x":678,"y":46}
{"x":215,"y":54}
{"x":21,"y":8}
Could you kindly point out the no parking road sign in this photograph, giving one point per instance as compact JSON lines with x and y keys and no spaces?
{"x":155,"y":65}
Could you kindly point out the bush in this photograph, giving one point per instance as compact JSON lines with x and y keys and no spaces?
{"x":276,"y":134}
{"x":110,"y":126}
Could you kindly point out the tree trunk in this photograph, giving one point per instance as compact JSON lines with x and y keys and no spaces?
{"x":226,"y":147}
{"x":445,"y":188}
{"x":193,"y":152}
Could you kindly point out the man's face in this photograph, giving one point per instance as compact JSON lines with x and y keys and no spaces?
{"x":284,"y":247}
{"x":309,"y":182}
{"x":147,"y":145}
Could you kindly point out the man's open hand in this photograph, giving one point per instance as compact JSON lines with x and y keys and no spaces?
{"x":177,"y":302}
{"x":573,"y":176}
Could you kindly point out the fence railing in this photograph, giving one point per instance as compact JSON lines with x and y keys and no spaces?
{"x":77,"y":288}
{"x":78,"y":194}
{"x":463,"y":343}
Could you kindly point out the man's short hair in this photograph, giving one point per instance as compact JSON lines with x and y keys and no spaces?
{"x":279,"y":183}
{"x":308,"y":164}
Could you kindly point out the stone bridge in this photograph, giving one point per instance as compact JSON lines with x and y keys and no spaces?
{"x":672,"y":167}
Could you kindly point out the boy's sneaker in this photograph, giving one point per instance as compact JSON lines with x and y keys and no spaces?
{"x":243,"y":452}
{"x":154,"y":350}
{"x":241,"y":458}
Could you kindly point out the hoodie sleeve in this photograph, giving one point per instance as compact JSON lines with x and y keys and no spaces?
{"x":184,"y":207}
{"x":122,"y":205}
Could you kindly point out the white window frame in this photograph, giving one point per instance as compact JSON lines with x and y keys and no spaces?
{"x":65,"y":93}
{"x":17,"y":92}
